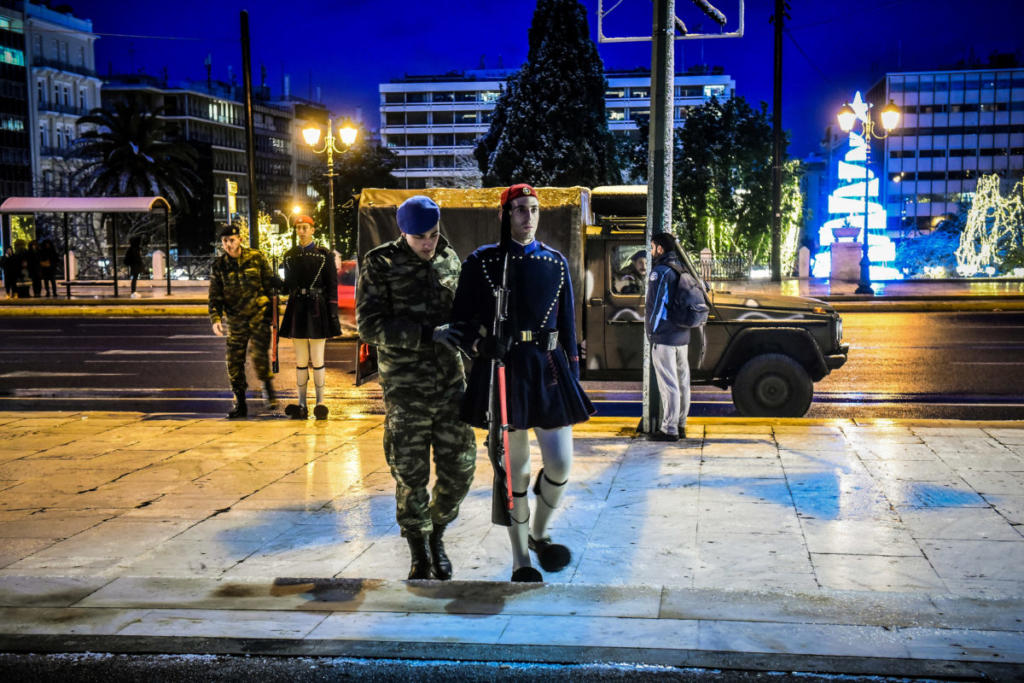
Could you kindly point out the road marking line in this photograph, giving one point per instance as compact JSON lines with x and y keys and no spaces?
{"x":142,"y":352}
{"x":987,"y":362}
{"x":41,"y":373}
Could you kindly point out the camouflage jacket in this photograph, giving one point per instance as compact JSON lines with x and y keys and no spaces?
{"x":400,"y":300}
{"x":240,"y":286}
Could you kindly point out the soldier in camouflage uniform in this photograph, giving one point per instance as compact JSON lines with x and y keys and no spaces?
{"x":241,"y":285}
{"x":404,"y":299}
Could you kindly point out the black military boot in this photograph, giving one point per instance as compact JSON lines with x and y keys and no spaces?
{"x":239,"y":409}
{"x":420,"y":568}
{"x":269,"y":395}
{"x":442,"y":565}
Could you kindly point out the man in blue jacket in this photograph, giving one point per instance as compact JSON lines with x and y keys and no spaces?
{"x":669,"y":341}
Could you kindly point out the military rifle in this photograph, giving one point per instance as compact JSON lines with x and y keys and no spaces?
{"x":274,"y":325}
{"x":497,"y":412}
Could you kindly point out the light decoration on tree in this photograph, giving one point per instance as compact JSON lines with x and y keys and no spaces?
{"x":846,"y":208}
{"x":275,"y":240}
{"x":994,"y":225}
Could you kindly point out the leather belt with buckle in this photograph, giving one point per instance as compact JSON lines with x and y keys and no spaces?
{"x":545,"y":339}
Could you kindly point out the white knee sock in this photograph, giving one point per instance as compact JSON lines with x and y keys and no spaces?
{"x":301,"y":347}
{"x":319,"y":377}
{"x":316,"y":356}
{"x":518,"y":533}
{"x":556,"y":453}
{"x":302,"y":379}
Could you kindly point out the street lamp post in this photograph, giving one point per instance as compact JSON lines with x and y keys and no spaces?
{"x":849,"y":114}
{"x":312,"y":136}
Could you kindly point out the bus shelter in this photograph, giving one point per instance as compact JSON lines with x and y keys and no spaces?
{"x":105,"y":206}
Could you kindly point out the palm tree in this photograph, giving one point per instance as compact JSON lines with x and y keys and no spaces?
{"x":127,"y":154}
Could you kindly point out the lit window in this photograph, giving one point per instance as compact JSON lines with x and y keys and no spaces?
{"x":12,"y":56}
{"x":489,"y":96}
{"x":616,"y":114}
{"x":714,"y":90}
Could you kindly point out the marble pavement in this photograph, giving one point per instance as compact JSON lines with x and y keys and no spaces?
{"x":888,"y":547}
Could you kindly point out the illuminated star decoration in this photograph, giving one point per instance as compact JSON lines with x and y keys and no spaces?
{"x":860,"y":107}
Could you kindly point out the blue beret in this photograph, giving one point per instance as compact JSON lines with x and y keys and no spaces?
{"x":418,"y":214}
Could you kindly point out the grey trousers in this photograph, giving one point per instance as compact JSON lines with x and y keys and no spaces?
{"x":672,"y":370}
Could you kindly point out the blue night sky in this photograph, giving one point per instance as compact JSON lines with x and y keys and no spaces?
{"x":347,"y":48}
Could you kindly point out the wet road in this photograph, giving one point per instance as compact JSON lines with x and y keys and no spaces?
{"x":952,"y":365}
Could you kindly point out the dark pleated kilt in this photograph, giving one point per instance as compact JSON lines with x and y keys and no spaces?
{"x":307,"y":317}
{"x":542,"y":391}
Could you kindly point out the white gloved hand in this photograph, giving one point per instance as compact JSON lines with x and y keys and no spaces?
{"x":447,"y":336}
{"x":218,"y":328}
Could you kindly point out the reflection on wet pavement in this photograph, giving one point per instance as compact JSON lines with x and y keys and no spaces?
{"x":800,"y":505}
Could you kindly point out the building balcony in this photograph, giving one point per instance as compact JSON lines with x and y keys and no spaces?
{"x":57,"y":108}
{"x":48,"y":151}
{"x":63,"y":66}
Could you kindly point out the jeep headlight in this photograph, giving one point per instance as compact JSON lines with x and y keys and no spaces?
{"x":839,"y":331}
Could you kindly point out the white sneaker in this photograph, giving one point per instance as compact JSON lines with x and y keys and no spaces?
{"x":135,"y":295}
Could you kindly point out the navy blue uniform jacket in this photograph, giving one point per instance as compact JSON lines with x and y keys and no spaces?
{"x":543,"y":385}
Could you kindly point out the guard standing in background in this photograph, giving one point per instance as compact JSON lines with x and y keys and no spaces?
{"x":241,"y":285}
{"x":404,"y":301}
{"x":311,"y":316}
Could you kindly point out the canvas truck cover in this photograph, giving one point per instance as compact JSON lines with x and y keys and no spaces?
{"x":469,"y":219}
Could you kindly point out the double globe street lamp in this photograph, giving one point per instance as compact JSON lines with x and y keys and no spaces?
{"x":347,"y":134}
{"x":859,"y":110}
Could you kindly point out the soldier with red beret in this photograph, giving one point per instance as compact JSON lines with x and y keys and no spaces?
{"x":541,"y":355}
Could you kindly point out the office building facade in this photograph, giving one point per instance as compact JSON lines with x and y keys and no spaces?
{"x":15,"y":126}
{"x":433,"y":122}
{"x":955,"y":126}
{"x":211,"y":117}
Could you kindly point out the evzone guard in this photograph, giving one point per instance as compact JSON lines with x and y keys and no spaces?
{"x":537,"y":346}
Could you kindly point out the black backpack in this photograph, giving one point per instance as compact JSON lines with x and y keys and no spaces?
{"x":688,"y":307}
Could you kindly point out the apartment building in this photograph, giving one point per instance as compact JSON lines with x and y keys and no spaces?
{"x":62,"y":86}
{"x":433,"y":122}
{"x":955,"y":126}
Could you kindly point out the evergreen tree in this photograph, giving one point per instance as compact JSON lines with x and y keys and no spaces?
{"x":722,"y":177}
{"x":549,"y":125}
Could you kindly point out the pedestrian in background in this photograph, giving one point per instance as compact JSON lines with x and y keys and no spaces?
{"x":241,"y":285}
{"x":34,"y":271}
{"x":543,"y":389}
{"x":311,"y":316}
{"x":133,"y":260}
{"x":403,"y":303}
{"x":20,"y":269}
{"x":669,"y":339}
{"x":48,"y":260}
{"x":10,"y":266}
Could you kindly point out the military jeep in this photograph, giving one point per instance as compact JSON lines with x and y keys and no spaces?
{"x":769,"y":349}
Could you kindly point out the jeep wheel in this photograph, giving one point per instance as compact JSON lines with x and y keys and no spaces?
{"x":772,"y":385}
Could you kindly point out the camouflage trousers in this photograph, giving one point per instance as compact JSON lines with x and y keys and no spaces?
{"x":411,"y":427}
{"x":242,"y":331}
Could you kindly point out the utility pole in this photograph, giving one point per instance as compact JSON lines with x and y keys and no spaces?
{"x":250,"y":135}
{"x":776,"y":258}
{"x":659,"y":165}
